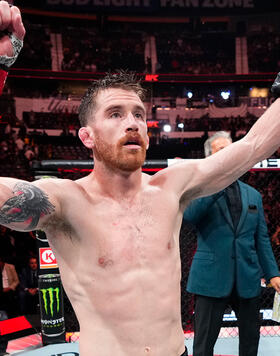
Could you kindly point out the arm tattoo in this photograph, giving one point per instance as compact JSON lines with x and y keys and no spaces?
{"x":28,"y":205}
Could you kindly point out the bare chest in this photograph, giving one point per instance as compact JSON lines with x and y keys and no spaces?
{"x":121,"y":234}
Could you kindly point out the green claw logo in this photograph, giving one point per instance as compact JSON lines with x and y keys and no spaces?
{"x":51,"y":292}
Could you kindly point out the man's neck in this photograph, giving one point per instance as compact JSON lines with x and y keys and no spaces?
{"x":118,"y":184}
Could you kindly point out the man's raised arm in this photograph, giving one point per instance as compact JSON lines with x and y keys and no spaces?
{"x":24,"y":206}
{"x":202,"y":177}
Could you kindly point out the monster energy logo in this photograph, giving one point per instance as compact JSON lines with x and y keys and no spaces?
{"x":53,"y":293}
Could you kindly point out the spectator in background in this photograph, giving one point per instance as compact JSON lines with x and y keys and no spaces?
{"x":29,"y":153}
{"x":20,"y":143}
{"x":7,"y":245}
{"x":10,"y":283}
{"x":28,"y":294}
{"x":233,"y":253}
{"x":8,"y":129}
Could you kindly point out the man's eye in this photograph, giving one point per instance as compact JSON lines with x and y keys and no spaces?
{"x":115,"y":115}
{"x":139,"y":116}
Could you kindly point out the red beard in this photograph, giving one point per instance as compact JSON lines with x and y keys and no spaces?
{"x":118,"y":157}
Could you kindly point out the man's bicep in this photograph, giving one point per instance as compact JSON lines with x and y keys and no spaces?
{"x":24,"y":206}
{"x":219,"y":170}
{"x":196,"y":178}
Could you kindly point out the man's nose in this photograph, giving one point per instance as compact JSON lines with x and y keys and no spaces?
{"x":131,"y":123}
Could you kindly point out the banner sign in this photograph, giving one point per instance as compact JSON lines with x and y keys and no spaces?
{"x":269,"y":164}
{"x":47,"y":258}
{"x":56,"y":105}
{"x":164,"y":7}
{"x":258,"y":102}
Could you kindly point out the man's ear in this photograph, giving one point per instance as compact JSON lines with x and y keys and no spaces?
{"x":86,"y":136}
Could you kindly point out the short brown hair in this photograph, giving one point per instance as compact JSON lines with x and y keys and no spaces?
{"x":122,"y":79}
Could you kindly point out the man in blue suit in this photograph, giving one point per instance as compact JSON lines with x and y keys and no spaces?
{"x":233,"y":254}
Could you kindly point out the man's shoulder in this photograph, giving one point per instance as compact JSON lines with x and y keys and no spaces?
{"x":179,"y":168}
{"x":57,"y":183}
{"x":249,"y":188}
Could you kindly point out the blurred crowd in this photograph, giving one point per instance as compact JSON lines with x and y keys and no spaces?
{"x":199,"y":54}
{"x":36,"y":52}
{"x":264,"y":52}
{"x":94,"y":51}
{"x":19,"y":271}
{"x":179,"y":48}
{"x":205,"y":123}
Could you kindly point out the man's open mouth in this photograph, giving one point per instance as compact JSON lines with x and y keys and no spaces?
{"x":132,"y":143}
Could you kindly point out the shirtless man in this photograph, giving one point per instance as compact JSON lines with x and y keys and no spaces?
{"x":115,"y":232}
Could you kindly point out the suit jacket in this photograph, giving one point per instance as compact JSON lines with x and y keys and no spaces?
{"x":26,"y":280}
{"x":225,"y":256}
{"x":12,"y":276}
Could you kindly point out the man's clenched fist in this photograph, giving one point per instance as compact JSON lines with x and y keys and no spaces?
{"x":13,"y":28}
